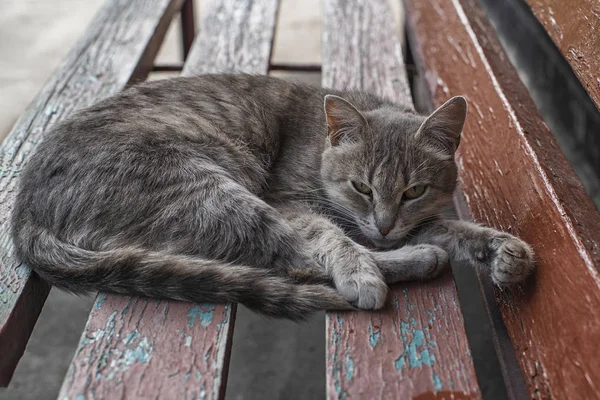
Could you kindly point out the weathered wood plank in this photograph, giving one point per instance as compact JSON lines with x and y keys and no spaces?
{"x":143,"y":348}
{"x":119,"y":46}
{"x":417,"y":347}
{"x":138,"y":348}
{"x":574,"y":26}
{"x":235,"y":37}
{"x":515,"y":178}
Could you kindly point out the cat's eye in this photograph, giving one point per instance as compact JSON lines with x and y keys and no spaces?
{"x":414,"y":191}
{"x":362,"y":188}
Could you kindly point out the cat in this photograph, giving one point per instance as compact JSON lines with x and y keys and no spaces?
{"x":251,"y":189}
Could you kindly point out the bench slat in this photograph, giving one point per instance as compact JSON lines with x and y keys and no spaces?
{"x":119,"y":46}
{"x":516,"y":178}
{"x":417,"y":347}
{"x":573,"y":26}
{"x":135,"y":347}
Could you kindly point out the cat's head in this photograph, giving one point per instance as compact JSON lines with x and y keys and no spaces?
{"x":389,"y":170}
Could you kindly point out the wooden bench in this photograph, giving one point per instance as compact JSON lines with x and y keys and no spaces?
{"x":512,"y":173}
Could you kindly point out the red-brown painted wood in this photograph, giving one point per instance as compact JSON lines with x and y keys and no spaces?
{"x":141,"y":348}
{"x":574,"y":26}
{"x":144,"y":348}
{"x":515,"y":178}
{"x":121,"y":41}
{"x":417,"y":346}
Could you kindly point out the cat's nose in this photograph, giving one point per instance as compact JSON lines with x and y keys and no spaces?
{"x":384,"y":230}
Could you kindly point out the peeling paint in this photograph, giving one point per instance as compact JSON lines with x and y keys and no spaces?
{"x":349,"y":367}
{"x":100,"y":299}
{"x":399,"y":363}
{"x":437,"y":382}
{"x":203,"y":313}
{"x":131,"y":337}
{"x":336,"y":364}
{"x":417,"y":344}
{"x":141,"y":353}
{"x":123,"y":360}
{"x":202,"y":392}
{"x":373,"y":336}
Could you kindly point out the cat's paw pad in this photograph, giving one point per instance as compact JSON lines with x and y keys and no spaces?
{"x":435,"y":260}
{"x":364,"y":289}
{"x":513,"y":261}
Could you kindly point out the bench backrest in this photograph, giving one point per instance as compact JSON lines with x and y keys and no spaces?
{"x":514,"y":177}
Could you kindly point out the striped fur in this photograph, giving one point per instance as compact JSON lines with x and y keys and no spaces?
{"x":227,"y":188}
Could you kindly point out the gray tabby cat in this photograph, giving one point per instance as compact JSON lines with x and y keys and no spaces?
{"x":234,"y":188}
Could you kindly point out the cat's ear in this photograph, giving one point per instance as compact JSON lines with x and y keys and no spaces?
{"x":344,"y":121}
{"x":445,"y":124}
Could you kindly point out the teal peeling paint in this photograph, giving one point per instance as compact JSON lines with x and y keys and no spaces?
{"x":336,"y":367}
{"x":426,"y":357}
{"x":202,"y":392}
{"x":109,"y":331}
{"x":22,"y":271}
{"x":431,"y":318}
{"x":399,"y":363}
{"x":131,"y":337}
{"x":121,"y":361}
{"x":396,"y":302}
{"x":437,"y":382}
{"x":373,"y":336}
{"x":141,"y":353}
{"x":99,"y":300}
{"x":80,"y":397}
{"x":349,"y":367}
{"x":203,"y":313}
{"x":207,"y":317}
{"x":416,"y":350}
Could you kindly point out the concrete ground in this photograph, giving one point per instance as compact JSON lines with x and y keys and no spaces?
{"x":271,"y":359}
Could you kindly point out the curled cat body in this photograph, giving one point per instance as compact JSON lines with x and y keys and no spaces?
{"x":238,"y":188}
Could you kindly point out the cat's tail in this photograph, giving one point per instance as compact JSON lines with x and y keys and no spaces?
{"x":135,"y":271}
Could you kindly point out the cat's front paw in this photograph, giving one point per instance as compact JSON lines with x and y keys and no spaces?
{"x":513,"y":260}
{"x":362,"y":285}
{"x":433,"y":261}
{"x":410,"y":263}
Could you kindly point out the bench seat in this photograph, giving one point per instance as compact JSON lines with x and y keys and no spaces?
{"x":512,"y":173}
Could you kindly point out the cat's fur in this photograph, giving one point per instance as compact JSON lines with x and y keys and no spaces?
{"x":231,"y":188}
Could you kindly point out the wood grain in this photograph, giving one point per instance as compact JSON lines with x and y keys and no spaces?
{"x":574,"y":26}
{"x":515,"y":178}
{"x":120,"y":42}
{"x":417,"y":347}
{"x":139,"y":348}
